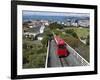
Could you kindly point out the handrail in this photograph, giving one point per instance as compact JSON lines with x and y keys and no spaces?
{"x":46,"y":63}
{"x":83,"y":61}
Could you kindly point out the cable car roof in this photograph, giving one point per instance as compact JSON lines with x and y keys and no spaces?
{"x":59,"y":41}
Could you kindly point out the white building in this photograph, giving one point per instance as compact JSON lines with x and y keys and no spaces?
{"x":40,"y":36}
{"x":42,"y":29}
{"x":84,"y":23}
{"x":74,"y":24}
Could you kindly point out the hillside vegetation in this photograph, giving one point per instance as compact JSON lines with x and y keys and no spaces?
{"x":71,"y":36}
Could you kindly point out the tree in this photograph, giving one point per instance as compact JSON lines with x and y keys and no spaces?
{"x":44,"y":41}
{"x":73,"y":42}
{"x":74,"y":35}
{"x":24,"y":45}
{"x":88,"y":40}
{"x":71,"y":32}
{"x":55,"y":26}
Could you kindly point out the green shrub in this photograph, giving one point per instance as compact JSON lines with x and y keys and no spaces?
{"x":71,"y":32}
{"x":73,"y":42}
{"x":36,"y":61}
{"x":88,"y":40}
{"x":55,"y":26}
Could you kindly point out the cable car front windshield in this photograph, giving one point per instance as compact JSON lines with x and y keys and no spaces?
{"x":62,"y":46}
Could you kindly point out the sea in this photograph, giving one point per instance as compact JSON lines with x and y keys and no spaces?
{"x":52,"y":18}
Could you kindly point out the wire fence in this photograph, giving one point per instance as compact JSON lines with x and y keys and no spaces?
{"x":82,"y":61}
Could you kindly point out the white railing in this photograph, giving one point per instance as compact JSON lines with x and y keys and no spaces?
{"x":82,"y":61}
{"x":46,"y":63}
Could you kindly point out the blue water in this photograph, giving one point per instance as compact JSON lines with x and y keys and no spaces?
{"x":51,"y":18}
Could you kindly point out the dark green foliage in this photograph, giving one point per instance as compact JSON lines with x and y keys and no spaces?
{"x":47,"y":37}
{"x":55,"y":26}
{"x":24,"y":46}
{"x":82,"y":38}
{"x":36,"y":61}
{"x":45,"y":41}
{"x":41,"y":50}
{"x":34,"y":55}
{"x":57,"y":32}
{"x":73,"y":42}
{"x":88,"y":40}
{"x":71,"y":32}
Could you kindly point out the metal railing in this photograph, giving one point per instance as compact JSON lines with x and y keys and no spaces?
{"x":82,"y":61}
{"x":48,"y":48}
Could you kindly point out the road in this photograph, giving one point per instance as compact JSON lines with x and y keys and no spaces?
{"x":54,"y":60}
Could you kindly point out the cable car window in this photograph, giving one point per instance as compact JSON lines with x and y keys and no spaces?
{"x":62,"y":46}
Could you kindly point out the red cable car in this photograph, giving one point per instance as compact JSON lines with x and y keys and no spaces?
{"x":61,"y":49}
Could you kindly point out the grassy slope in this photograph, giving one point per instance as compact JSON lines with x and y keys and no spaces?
{"x":81,"y":48}
{"x":82,"y":32}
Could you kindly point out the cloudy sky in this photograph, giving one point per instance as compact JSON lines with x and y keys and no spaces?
{"x":37,"y":13}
